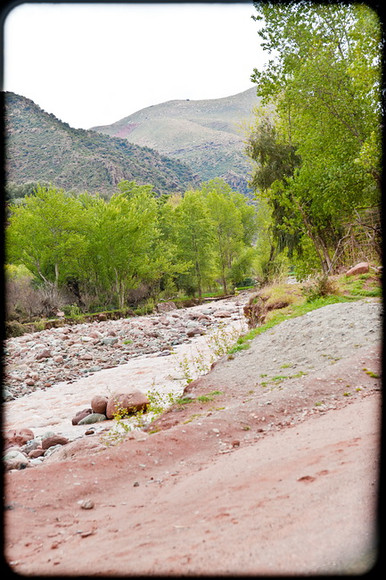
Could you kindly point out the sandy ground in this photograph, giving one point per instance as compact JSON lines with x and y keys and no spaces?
{"x":268,"y":476}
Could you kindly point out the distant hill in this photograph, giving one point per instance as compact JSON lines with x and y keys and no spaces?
{"x":40,"y":147}
{"x":206,"y":134}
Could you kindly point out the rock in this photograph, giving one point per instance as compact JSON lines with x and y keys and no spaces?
{"x":30,"y":446}
{"x":99,"y":404}
{"x":15,"y":460}
{"x":36,"y":453}
{"x":109,"y":340}
{"x":361,"y":268}
{"x":92,"y":418}
{"x":82,"y":447}
{"x":52,"y":440}
{"x":80,"y":415}
{"x":86,"y":504}
{"x":131,"y":402}
{"x":58,"y":359}
{"x":193,"y":331}
{"x":45,"y":353}
{"x":48,"y":452}
{"x":18,"y":437}
{"x":166,"y":306}
{"x":222,"y":314}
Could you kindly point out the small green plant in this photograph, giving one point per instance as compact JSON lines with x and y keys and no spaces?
{"x":208,"y":397}
{"x":371,"y":373}
{"x":120,"y":429}
{"x":72,"y":310}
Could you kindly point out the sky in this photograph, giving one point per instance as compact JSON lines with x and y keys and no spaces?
{"x":94,"y":64}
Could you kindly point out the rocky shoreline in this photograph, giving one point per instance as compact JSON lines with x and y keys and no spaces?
{"x":42,"y":359}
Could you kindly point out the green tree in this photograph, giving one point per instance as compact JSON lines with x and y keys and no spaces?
{"x":234,"y":230}
{"x":124,"y":241}
{"x":324,"y":82}
{"x":45,"y":234}
{"x":195,"y":240}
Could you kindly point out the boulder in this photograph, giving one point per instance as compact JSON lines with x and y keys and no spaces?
{"x":17,"y":437}
{"x":92,"y":418}
{"x":83,"y":447}
{"x":15,"y":460}
{"x":52,"y":440}
{"x":166,"y":306}
{"x":36,"y":453}
{"x":80,"y":415}
{"x":129,"y":402}
{"x":45,"y":353}
{"x":99,"y":404}
{"x":361,"y":268}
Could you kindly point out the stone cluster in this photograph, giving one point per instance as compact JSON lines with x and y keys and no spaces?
{"x":22,"y":449}
{"x":42,"y":359}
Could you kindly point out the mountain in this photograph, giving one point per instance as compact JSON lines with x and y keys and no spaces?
{"x":40,"y":147}
{"x":205,"y":134}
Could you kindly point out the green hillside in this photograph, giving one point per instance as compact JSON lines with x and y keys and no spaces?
{"x":39,"y":147}
{"x":206,"y":134}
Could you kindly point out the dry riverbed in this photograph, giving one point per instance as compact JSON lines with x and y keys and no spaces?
{"x":270,"y":468}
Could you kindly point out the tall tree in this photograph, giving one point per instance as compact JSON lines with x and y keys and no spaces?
{"x":45,"y":234}
{"x":195,"y":237}
{"x":324,"y":82}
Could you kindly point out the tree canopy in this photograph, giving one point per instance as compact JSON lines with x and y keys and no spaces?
{"x":318,"y":157}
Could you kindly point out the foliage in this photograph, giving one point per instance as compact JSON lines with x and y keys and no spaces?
{"x":113,"y":253}
{"x":317,"y":160}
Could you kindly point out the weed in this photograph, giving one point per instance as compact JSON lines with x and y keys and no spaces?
{"x":208,"y":397}
{"x":371,"y":374}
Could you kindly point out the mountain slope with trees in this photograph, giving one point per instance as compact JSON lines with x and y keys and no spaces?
{"x":206,"y":134}
{"x":41,"y":148}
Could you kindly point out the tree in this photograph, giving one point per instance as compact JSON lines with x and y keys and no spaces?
{"x":45,"y":234}
{"x":123,"y":248}
{"x":195,"y":238}
{"x":325,"y":85}
{"x":234,"y":230}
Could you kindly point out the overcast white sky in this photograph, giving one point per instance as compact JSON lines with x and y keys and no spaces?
{"x":93,"y":64}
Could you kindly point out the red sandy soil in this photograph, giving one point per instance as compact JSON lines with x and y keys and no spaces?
{"x":232,"y":485}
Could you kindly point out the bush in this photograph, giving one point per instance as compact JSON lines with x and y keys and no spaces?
{"x":320,"y":287}
{"x":13,"y":329}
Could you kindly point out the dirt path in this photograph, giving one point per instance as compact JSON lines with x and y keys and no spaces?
{"x":256,"y":475}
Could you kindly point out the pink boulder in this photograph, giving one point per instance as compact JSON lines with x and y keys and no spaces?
{"x":99,"y":404}
{"x":52,"y":440}
{"x":361,"y":268}
{"x":127,"y":402}
{"x":18,"y":437}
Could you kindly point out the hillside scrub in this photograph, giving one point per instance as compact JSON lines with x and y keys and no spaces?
{"x":135,"y":247}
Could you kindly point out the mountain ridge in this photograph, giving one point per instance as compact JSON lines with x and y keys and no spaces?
{"x":207,"y":134}
{"x":40,"y":147}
